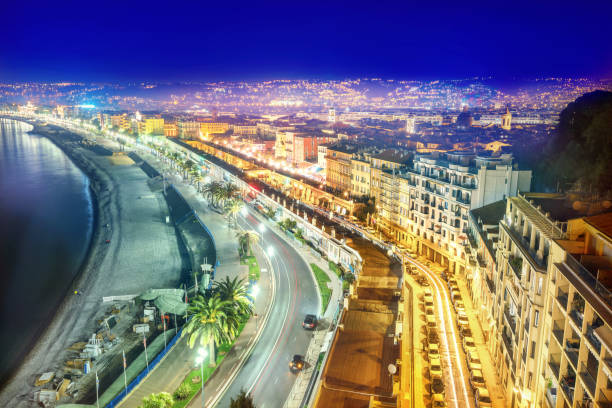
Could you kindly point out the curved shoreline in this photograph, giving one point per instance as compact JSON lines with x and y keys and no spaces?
{"x":95,"y":250}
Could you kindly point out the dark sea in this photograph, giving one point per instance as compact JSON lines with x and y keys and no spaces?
{"x":46,"y":222}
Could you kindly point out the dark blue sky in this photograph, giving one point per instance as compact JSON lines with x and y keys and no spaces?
{"x":197,"y":40}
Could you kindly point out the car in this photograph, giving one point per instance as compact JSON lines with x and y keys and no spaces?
{"x":482,"y":398}
{"x":437,"y":386}
{"x":473,"y":361}
{"x":431,"y":321}
{"x":428,"y":297}
{"x":310,"y":322}
{"x":437,"y":401}
{"x":468,"y":344}
{"x":429,"y":303}
{"x":455,"y":297}
{"x":452,"y":281}
{"x":432,"y":337}
{"x":435,"y":368}
{"x":477,"y":379}
{"x":462,"y":319}
{"x":428,"y":291}
{"x":433,"y":351}
{"x":429,"y":310}
{"x":425,"y":282}
{"x":297,"y":363}
{"x":465,"y":332}
{"x":459,"y":306}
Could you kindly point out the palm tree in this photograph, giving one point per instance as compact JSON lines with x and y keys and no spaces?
{"x":209,"y":323}
{"x":233,"y":207}
{"x":211,"y":191}
{"x":243,"y":400}
{"x":228,"y":191}
{"x":234,"y":291}
{"x":161,"y":400}
{"x":246,"y":239}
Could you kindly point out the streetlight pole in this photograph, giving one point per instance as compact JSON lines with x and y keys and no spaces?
{"x":202,"y":354}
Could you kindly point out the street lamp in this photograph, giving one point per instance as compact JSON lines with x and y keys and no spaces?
{"x":202,"y":354}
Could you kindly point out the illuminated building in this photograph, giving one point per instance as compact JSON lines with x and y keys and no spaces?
{"x":211,"y":128}
{"x":153,"y":126}
{"x":506,"y":122}
{"x":360,"y":175}
{"x":411,"y":125}
{"x":171,"y":130}
{"x":338,"y":167}
{"x":189,"y":129}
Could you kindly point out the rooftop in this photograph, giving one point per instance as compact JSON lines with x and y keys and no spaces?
{"x":490,"y":214}
{"x":564,"y":207}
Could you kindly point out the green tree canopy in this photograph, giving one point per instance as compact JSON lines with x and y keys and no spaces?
{"x":581,"y":149}
{"x":243,"y":400}
{"x":161,"y":400}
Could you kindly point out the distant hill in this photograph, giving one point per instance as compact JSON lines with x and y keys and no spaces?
{"x":580,"y":152}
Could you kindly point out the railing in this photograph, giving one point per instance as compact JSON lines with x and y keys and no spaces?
{"x":508,"y":343}
{"x":603,"y":401}
{"x":511,"y":320}
{"x":567,"y":385}
{"x":589,"y":279}
{"x":572,"y":355}
{"x":558,"y":332}
{"x":555,"y":365}
{"x":577,"y":318}
{"x":562,"y":298}
{"x":587,"y":378}
{"x":490,"y":283}
{"x":516,"y":263}
{"x":590,"y":335}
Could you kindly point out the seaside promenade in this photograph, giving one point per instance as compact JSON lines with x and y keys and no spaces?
{"x":141,"y":253}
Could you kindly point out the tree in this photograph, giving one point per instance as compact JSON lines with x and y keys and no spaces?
{"x":362,"y":209}
{"x":211,"y":191}
{"x":209,"y":324}
{"x":234,"y":291}
{"x":246,"y":239}
{"x":161,"y":400}
{"x":243,"y":400}
{"x":233,"y":208}
{"x":580,"y":152}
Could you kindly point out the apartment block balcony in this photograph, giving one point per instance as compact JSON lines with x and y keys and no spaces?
{"x":508,"y":343}
{"x":602,"y":401}
{"x":590,"y":335}
{"x":587,"y":378}
{"x":568,"y":383}
{"x":511,"y":319}
{"x":490,"y":283}
{"x":562,"y":298}
{"x":516,"y":263}
{"x":554,"y":362}
{"x":558,"y":332}
{"x":577,"y":317}
{"x":572,"y":346}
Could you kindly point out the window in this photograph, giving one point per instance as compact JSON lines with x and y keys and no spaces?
{"x":532,"y":354}
{"x":536,"y":318}
{"x":539,"y":286}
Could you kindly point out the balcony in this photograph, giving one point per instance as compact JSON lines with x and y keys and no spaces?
{"x":508,"y":343}
{"x":551,"y":396}
{"x":555,"y":364}
{"x":490,"y":283}
{"x":577,"y":317}
{"x":567,"y":385}
{"x":516,"y":263}
{"x":572,"y":346}
{"x":590,"y":335}
{"x":558,"y":332}
{"x":588,"y":379}
{"x":562,"y":298}
{"x":511,"y":319}
{"x":602,"y":401}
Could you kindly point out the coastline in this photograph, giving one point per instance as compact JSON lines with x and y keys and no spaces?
{"x":95,"y":248}
{"x":141,"y":253}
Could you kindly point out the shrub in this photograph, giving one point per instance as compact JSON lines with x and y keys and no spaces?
{"x":182,"y":392}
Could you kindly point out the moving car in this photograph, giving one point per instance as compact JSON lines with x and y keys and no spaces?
{"x":477,"y":379}
{"x":482,"y":398}
{"x":297,"y":363}
{"x":310,"y":322}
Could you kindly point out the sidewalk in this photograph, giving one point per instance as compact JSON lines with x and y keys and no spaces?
{"x":488,"y":367}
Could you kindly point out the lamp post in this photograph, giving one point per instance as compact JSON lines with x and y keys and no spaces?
{"x":202,"y":354}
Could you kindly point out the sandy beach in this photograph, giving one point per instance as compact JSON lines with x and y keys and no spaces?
{"x":142,"y":253}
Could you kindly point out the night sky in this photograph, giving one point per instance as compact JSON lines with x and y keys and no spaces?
{"x":229,"y":40}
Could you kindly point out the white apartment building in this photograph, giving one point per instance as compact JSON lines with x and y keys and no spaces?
{"x":437,"y":193}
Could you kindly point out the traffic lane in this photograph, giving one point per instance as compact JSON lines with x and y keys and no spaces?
{"x":276,"y":381}
{"x":263,"y":368}
{"x":457,"y":376}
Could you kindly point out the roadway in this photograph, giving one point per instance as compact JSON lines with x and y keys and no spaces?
{"x":266,"y":372}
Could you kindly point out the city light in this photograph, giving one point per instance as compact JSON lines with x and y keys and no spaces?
{"x":270,"y":251}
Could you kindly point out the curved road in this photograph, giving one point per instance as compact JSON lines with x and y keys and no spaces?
{"x":266,"y":372}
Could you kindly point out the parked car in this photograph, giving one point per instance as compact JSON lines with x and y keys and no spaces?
{"x":482,"y":398}
{"x":462,"y":319}
{"x":473,"y":361}
{"x":428,"y":291}
{"x":437,"y":387}
{"x":433,"y":351}
{"x":437,"y":401}
{"x":310,"y":322}
{"x":429,"y":303}
{"x":432,"y":337}
{"x":431,"y":322}
{"x":455,"y":297}
{"x":468,"y":344}
{"x":459,"y":306}
{"x":465,"y":332}
{"x":435,"y":368}
{"x":452,"y":281}
{"x":477,"y":379}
